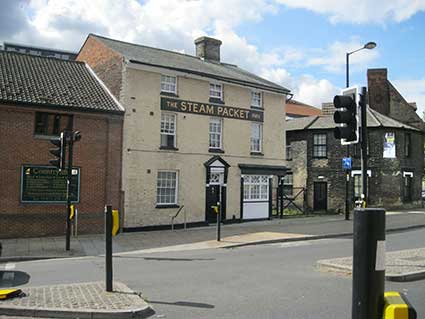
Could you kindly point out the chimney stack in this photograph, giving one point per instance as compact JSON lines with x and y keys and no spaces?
{"x":379,"y":91}
{"x":208,"y":48}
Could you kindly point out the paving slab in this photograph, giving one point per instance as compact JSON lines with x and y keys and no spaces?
{"x":82,"y":300}
{"x":401,"y":265}
{"x":226,"y":242}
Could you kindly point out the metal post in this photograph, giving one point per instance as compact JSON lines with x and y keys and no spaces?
{"x":347,"y":180}
{"x":108,"y":247}
{"x":364,"y":143}
{"x":68,"y":137}
{"x":219,"y":214}
{"x":347,"y":70}
{"x":347,"y":199}
{"x":368,"y":263}
{"x":281,"y":192}
{"x":76,"y":222}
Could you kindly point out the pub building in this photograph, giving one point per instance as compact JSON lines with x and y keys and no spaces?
{"x":193,"y":126}
{"x":39,"y":98}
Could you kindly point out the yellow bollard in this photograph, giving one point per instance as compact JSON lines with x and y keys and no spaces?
{"x":72,"y":212}
{"x":397,"y":307}
{"x":9,"y":293}
{"x":115,"y":222}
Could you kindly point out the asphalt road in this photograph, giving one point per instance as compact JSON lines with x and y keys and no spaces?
{"x":265,"y":281}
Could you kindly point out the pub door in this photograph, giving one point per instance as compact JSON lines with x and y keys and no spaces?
{"x":212,"y":199}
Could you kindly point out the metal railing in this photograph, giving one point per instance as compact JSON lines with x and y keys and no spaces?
{"x":175,"y":216}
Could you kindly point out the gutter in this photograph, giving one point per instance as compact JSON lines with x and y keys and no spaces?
{"x":212,"y":76}
{"x":60,"y":107}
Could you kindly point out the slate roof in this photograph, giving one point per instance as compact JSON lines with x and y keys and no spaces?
{"x":68,"y":85}
{"x":374,"y":119}
{"x":187,"y":63}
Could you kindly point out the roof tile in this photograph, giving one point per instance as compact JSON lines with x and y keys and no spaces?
{"x":53,"y":82}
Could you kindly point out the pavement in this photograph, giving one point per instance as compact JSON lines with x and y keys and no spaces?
{"x":89,"y":300}
{"x":401,"y":265}
{"x":83,"y":300}
{"x":233,"y":235}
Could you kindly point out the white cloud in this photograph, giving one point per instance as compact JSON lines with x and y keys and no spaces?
{"x":360,"y":11}
{"x":174,"y":25}
{"x":314,"y":92}
{"x":306,"y":88}
{"x":412,"y":90}
{"x":333,"y":58}
{"x":169,"y":24}
{"x":279,"y":76}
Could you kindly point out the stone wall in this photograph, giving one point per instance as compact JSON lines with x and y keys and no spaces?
{"x":386,"y":183}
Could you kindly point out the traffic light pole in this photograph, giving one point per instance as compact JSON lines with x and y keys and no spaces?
{"x":68,"y":190}
{"x":347,"y":177}
{"x":364,"y":143}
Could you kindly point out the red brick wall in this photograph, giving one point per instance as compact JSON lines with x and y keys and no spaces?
{"x":98,"y":154}
{"x":379,"y":95}
{"x":385,"y":98}
{"x":106,"y":63}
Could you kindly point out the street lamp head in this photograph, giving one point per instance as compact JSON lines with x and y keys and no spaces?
{"x":370,"y":45}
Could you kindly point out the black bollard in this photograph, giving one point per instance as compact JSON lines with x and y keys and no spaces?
{"x":368,"y":263}
{"x":108,"y":247}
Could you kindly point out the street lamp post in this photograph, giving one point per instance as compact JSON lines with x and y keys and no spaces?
{"x":369,"y":46}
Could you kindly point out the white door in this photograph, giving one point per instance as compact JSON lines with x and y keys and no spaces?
{"x":256,"y":196}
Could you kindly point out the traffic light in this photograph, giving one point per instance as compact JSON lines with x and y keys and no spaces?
{"x":346,"y":116}
{"x":59,"y":151}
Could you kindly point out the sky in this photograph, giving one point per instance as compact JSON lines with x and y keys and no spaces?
{"x":300,"y":44}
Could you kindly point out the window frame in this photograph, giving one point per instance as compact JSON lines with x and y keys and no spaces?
{"x":165,"y":83}
{"x":50,"y":118}
{"x":260,"y":138}
{"x":319,"y":146}
{"x":210,"y":133}
{"x":260,"y":105}
{"x":168,"y":134}
{"x":176,"y":192}
{"x":407,"y":187}
{"x":357,"y":175}
{"x":212,"y":89}
{"x":248,"y":186}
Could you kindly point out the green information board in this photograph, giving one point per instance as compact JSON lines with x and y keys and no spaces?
{"x":45,"y":184}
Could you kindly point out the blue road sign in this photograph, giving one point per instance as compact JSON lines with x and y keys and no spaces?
{"x":346,"y":163}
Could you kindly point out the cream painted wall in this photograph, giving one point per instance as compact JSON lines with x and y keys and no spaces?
{"x":142,"y":157}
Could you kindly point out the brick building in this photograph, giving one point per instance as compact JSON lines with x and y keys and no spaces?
{"x":39,"y":97}
{"x":192,"y":123}
{"x":395,"y":153}
{"x":296,"y":109}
